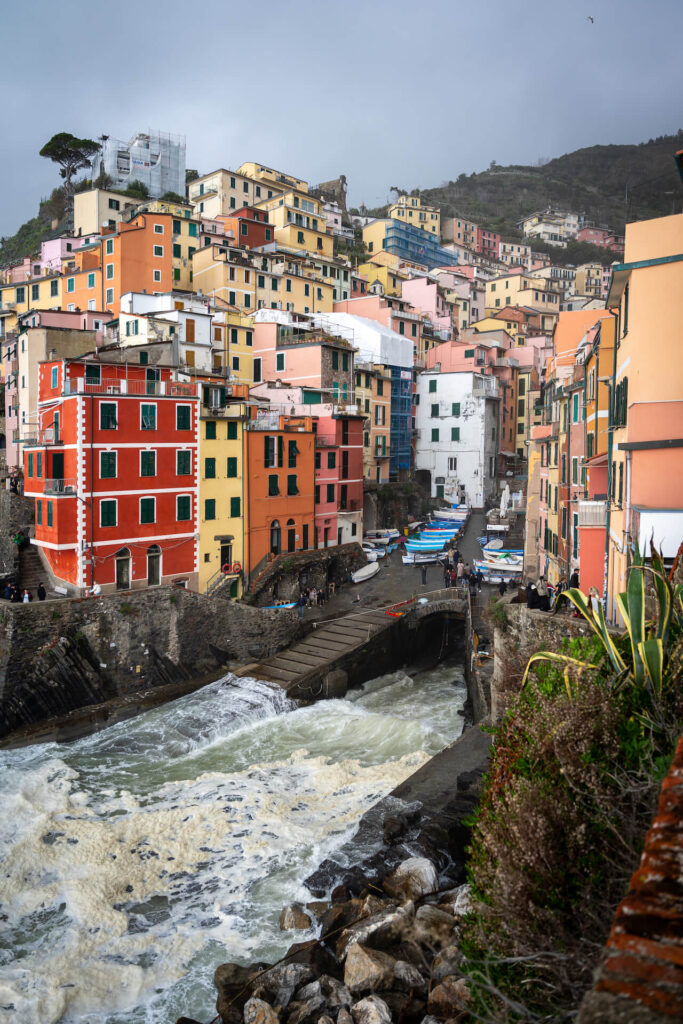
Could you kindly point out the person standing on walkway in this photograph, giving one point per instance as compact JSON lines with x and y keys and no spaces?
{"x":424,"y":575}
{"x":446,"y":576}
{"x":460,"y":571}
{"x":301,"y":604}
{"x":41,"y":592}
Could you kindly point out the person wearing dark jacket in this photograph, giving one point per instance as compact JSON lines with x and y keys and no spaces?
{"x":41,"y":592}
{"x":574,"y":580}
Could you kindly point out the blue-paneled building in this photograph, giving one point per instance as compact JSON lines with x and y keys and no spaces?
{"x":410,"y":243}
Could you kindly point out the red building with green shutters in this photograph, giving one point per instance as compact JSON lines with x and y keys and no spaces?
{"x":113,"y":472}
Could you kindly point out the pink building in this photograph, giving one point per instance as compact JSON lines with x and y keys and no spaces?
{"x":55,"y":250}
{"x":604,"y":237}
{"x":20,"y":272}
{"x":488,"y":243}
{"x":398,"y":314}
{"x":428,"y":296}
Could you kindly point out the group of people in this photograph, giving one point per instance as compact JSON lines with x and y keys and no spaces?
{"x":544,"y":595}
{"x":13,"y":594}
{"x":313,"y":597}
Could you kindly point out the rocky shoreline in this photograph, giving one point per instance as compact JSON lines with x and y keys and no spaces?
{"x":387,"y":912}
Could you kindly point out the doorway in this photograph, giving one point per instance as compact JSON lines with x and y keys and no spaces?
{"x":123,"y":569}
{"x":275,"y":537}
{"x":153,"y":565}
{"x":291,"y":535}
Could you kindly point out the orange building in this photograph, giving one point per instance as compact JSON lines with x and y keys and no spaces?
{"x":280,"y":454}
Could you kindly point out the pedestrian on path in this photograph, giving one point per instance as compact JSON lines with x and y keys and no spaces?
{"x":460,"y":571}
{"x":301,"y":604}
{"x":446,"y":576}
{"x":42,"y":593}
{"x":424,"y":575}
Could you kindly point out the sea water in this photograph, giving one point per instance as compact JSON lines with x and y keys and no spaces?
{"x":135,"y":860}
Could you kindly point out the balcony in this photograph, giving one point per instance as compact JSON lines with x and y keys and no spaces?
{"x":60,"y":487}
{"x":592,"y":513}
{"x":41,"y":438}
{"x":325,"y":440}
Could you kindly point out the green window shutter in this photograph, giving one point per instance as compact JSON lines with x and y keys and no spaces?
{"x":147,"y":510}
{"x":193,"y":230}
{"x":435,"y":434}
{"x":210,"y":508}
{"x":176,"y":227}
{"x":148,"y":463}
{"x":39,"y":512}
{"x":108,"y":513}
{"x":235,"y":508}
{"x":455,"y":433}
{"x":232,"y":431}
{"x":232,"y":467}
{"x":30,"y":464}
{"x":432,"y":386}
{"x":280,"y":451}
{"x":176,"y":251}
{"x":107,"y":465}
{"x":176,"y":274}
{"x":335,"y":360}
{"x":183,"y":507}
{"x":183,"y":417}
{"x":210,"y":431}
{"x":435,"y":409}
{"x":273,"y":487}
{"x":292,"y":452}
{"x":292,"y":485}
{"x":49,"y":513}
{"x":469,"y":353}
{"x":39,"y":464}
{"x":210,"y":469}
{"x":455,"y":411}
{"x":183,"y":463}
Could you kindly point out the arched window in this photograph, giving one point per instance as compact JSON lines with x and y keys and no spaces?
{"x":153,"y":565}
{"x":275,"y":537}
{"x":123,"y":569}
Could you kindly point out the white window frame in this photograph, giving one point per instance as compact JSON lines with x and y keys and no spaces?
{"x":109,"y":271}
{"x":177,"y":453}
{"x":110,"y":451}
{"x":109,"y":247}
{"x":157,"y":276}
{"x":158,"y":229}
{"x":183,"y":405}
{"x":177,"y":499}
{"x":154,"y":250}
{"x":109,"y":297}
{"x":54,"y":377}
{"x":71,"y":307}
{"x":236,"y":363}
{"x":116,"y":505}
{"x":156,"y":418}
{"x":278,"y":356}
{"x":108,"y":402}
{"x":147,"y":497}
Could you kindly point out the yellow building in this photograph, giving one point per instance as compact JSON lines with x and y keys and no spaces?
{"x":233,"y":347}
{"x":98,"y":208}
{"x":412,"y":210}
{"x":390,"y":278}
{"x":277,"y":180}
{"x":596,"y":354}
{"x":35,"y":293}
{"x":299,"y":223}
{"x":373,"y":397}
{"x":225,"y":275}
{"x":223,"y":192}
{"x":523,"y":290}
{"x":588,"y":279}
{"x":222,"y":495}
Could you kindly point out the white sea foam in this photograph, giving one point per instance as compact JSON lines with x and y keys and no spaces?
{"x":135,"y":860}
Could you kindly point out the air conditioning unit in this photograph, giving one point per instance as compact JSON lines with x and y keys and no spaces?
{"x":112,"y":389}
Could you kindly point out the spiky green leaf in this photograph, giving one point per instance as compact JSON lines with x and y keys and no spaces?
{"x":652,"y":654}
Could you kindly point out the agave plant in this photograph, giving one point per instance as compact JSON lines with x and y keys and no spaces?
{"x":649,"y":638}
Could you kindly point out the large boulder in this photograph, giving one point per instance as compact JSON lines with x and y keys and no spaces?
{"x":371,"y":1010}
{"x":294,"y":916}
{"x":367,"y":969}
{"x":281,"y":981}
{"x":257,"y":1011}
{"x":305,"y":1011}
{"x":336,"y":994}
{"x":449,"y":998}
{"x":382,"y":929}
{"x":233,"y":984}
{"x":447,"y":962}
{"x":315,"y":956}
{"x":412,"y":879}
{"x":457,"y":901}
{"x":408,"y":977}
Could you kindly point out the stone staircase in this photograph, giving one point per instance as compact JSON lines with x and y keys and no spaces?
{"x":31,"y":570}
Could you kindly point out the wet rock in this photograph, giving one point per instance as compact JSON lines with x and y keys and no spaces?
{"x":282,"y":981}
{"x":305,"y":1011}
{"x":382,"y":929}
{"x":449,"y":998}
{"x":458,"y":901}
{"x":294,"y":916}
{"x":408,"y":977}
{"x":336,"y":994}
{"x":372,"y":905}
{"x":434,"y":925}
{"x":232,"y":983}
{"x":367,"y":969}
{"x":371,"y":1010}
{"x":256,"y":1011}
{"x":315,"y":956}
{"x":318,"y":908}
{"x":339,"y":916}
{"x":447,"y":963}
{"x":412,"y":879}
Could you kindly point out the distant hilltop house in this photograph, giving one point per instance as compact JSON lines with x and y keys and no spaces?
{"x":155,"y":158}
{"x":557,"y":227}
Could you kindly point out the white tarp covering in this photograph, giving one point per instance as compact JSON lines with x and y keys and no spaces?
{"x":374,"y":342}
{"x":666,"y":528}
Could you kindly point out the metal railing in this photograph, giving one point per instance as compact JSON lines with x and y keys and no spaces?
{"x":60,"y":485}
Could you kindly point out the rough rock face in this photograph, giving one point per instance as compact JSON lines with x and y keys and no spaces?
{"x":256,"y":1011}
{"x":412,"y":879}
{"x":367,"y":969}
{"x":449,"y":998}
{"x":371,"y":1010}
{"x":294,"y":916}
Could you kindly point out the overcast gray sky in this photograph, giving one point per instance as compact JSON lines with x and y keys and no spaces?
{"x":389,"y":92}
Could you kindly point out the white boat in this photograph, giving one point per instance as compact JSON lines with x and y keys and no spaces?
{"x":366,"y":572}
{"x":458,"y":514}
{"x":372,"y":554}
{"x":423,"y":557}
{"x":380,"y":542}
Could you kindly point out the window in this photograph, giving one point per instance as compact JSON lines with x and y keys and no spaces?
{"x":30,"y":464}
{"x":39,"y":512}
{"x":235,"y":508}
{"x":210,"y":508}
{"x":300,"y":237}
{"x":232,"y":431}
{"x":49,"y":512}
{"x":317,"y":495}
{"x":522,"y":386}
{"x":109,"y":296}
{"x":455,"y":409}
{"x":107,"y":465}
{"x":273,"y":485}
{"x":401,"y":327}
{"x":54,"y":288}
{"x":158,"y":250}
{"x":156,"y":274}
{"x":108,"y":416}
{"x":345,"y":360}
{"x":35,"y":292}
{"x":183,"y":463}
{"x":148,"y":463}
{"x":210,"y":430}
{"x":435,"y":409}
{"x":54,"y":377}
{"x":70,"y":284}
{"x":109,"y":272}
{"x":176,"y":227}
{"x":575,"y":469}
{"x":236,"y":363}
{"x":435,"y":434}
{"x":183,"y":417}
{"x":248,"y":338}
{"x":292,"y":452}
{"x":232,"y":467}
{"x":291,"y":484}
{"x":148,"y":416}
{"x":330,"y":492}
{"x":147,"y":510}
{"x":39,"y":464}
{"x":192,"y":230}
{"x":108,"y":512}
{"x":209,"y":469}
{"x":109,"y":248}
{"x":158,"y":229}
{"x":279,"y":362}
{"x":183,"y":507}
{"x":455,"y":433}
{"x":452,"y":464}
